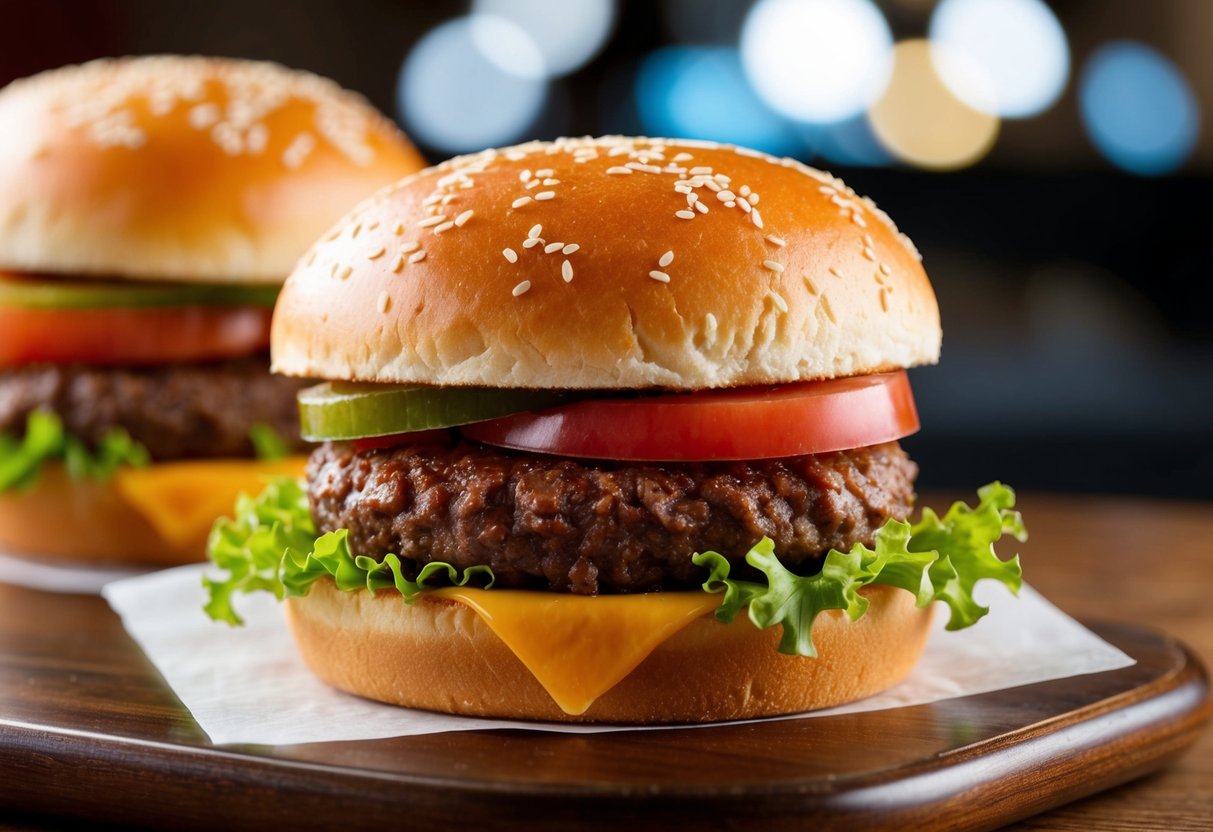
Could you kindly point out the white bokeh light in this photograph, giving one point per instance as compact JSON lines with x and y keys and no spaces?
{"x":1019,"y":44}
{"x":454,"y":98}
{"x":817,"y":60}
{"x":568,"y":32}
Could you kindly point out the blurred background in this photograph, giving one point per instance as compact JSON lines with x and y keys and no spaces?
{"x":1051,"y":160}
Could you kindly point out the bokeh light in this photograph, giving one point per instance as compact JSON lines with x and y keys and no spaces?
{"x":568,"y":32}
{"x":1019,"y":46}
{"x":918,"y":118}
{"x":452,"y":97}
{"x":1138,"y":108}
{"x":701,"y":92}
{"x":851,"y":142}
{"x":817,"y":60}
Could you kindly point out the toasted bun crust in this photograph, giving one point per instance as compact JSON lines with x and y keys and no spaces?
{"x":183,"y":168}
{"x":82,"y":521}
{"x":415,"y":284}
{"x":439,"y":655}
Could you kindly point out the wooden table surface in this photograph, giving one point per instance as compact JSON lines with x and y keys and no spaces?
{"x":1142,"y":561}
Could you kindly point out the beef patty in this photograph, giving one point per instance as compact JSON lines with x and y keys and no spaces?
{"x":585,"y":526}
{"x":180,"y":411}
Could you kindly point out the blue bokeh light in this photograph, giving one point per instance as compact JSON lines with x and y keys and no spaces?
{"x":701,"y":92}
{"x":1138,"y":108}
{"x":453,"y":98}
{"x":852,"y":142}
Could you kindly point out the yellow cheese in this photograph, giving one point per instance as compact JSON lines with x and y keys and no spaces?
{"x":579,"y":647}
{"x":182,"y":499}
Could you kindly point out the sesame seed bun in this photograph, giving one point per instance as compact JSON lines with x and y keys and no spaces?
{"x":183,"y":168}
{"x":609,"y":263}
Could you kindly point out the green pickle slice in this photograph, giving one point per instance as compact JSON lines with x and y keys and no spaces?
{"x":345,"y":410}
{"x":34,"y":293}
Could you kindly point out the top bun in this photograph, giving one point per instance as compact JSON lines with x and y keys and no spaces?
{"x":183,"y":168}
{"x":609,"y":263}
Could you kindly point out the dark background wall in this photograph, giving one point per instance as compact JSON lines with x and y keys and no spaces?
{"x":1075,"y":295}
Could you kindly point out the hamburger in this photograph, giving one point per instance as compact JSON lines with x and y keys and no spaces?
{"x":149,"y":210}
{"x":610,"y":433}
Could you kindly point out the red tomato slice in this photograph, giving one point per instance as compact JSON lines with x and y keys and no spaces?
{"x":747,"y":423}
{"x":131,"y":335}
{"x":438,"y":436}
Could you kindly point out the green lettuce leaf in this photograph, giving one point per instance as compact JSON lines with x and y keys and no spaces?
{"x":271,"y":546}
{"x":46,"y":440}
{"x":936,"y":559}
{"x":268,"y":444}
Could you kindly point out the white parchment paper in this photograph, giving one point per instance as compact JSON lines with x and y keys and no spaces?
{"x":247,"y":685}
{"x":47,"y":575}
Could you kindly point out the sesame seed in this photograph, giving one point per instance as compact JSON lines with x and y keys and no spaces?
{"x":867,"y":240}
{"x":534,"y":183}
{"x":510,"y":255}
{"x":521,"y":289}
{"x":730,"y":204}
{"x":462,"y":219}
{"x":549,"y":182}
{"x":868,"y":253}
{"x":779,"y":301}
{"x":745,"y":191}
{"x":884,"y":269}
{"x":858,"y":220}
{"x":827,"y":190}
{"x":333,"y":269}
{"x":701,"y":207}
{"x":744,"y":206}
{"x":685,"y":215}
{"x":808,"y":281}
{"x":448,"y":199}
{"x":417,"y":256}
{"x":371,"y":226}
{"x":398,"y":263}
{"x":884,"y":302}
{"x":311,"y":258}
{"x":431,"y":221}
{"x":752,"y":199}
{"x":354,"y":231}
{"x":522,"y":200}
{"x":666,"y":259}
{"x":683,"y":157}
{"x":543,"y":195}
{"x":829,"y":310}
{"x":683,"y":188}
{"x":776,"y":241}
{"x":345,"y":272}
{"x":410,"y":246}
{"x":570,"y":248}
{"x":834,"y":271}
{"x":535,"y":231}
{"x":756,"y":218}
{"x":531,"y":242}
{"x":444,"y":226}
{"x":432,"y":199}
{"x":713,"y":185}
{"x":710,"y":326}
{"x":619,"y":169}
{"x":399,"y":229}
{"x":773,"y":265}
{"x":544,"y":172}
{"x":660,"y":277}
{"x":566,"y":271}
{"x":385,"y":302}
{"x":525,"y":175}
{"x":376,"y":253}
{"x":550,"y":247}
{"x":701,"y":171}
{"x":692,"y":198}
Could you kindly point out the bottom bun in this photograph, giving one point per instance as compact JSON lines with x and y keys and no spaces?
{"x":438,"y":655}
{"x":86,"y":522}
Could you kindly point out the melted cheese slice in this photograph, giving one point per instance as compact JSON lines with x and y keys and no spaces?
{"x":182,"y":499}
{"x":579,"y":647}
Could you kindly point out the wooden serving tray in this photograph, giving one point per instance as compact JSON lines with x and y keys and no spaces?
{"x":89,"y":731}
